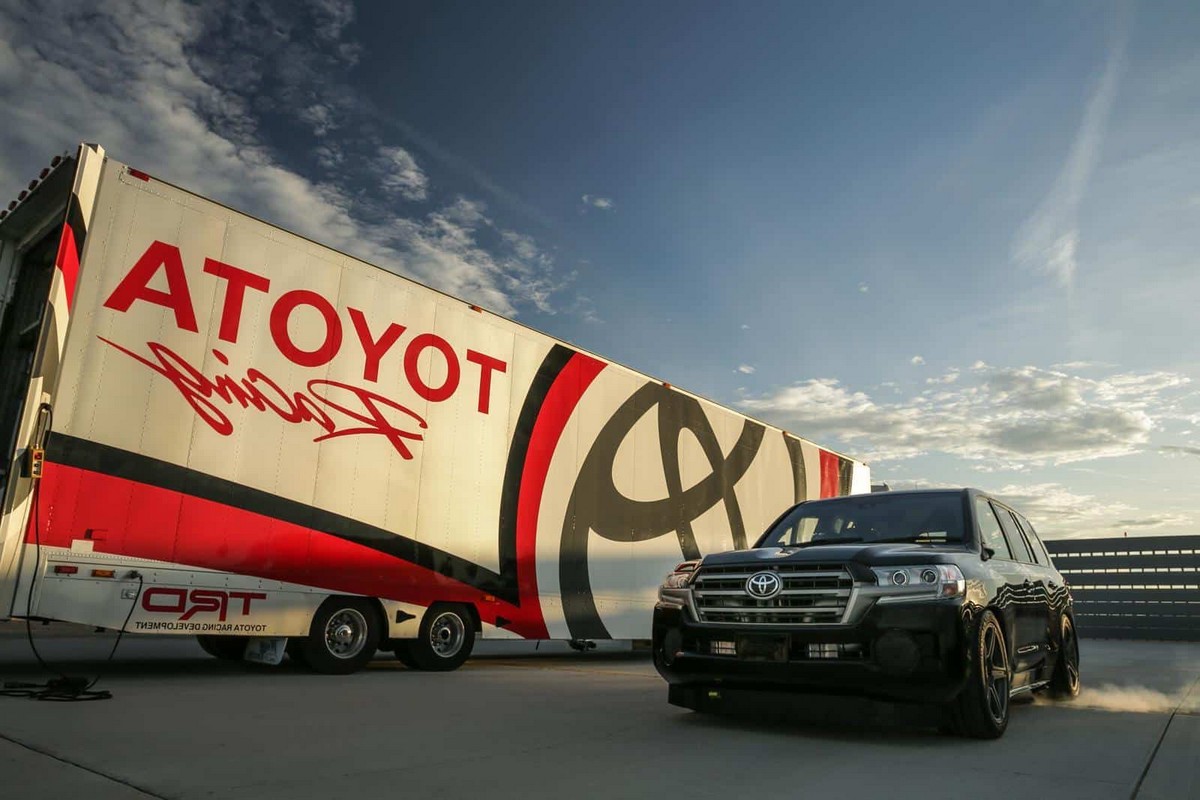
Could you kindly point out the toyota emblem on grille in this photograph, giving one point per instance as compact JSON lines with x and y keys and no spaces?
{"x":763,"y":585}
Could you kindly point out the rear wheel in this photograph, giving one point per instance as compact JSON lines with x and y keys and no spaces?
{"x":981,"y":710}
{"x":343,"y":636}
{"x":403,"y":651}
{"x":446,"y":638}
{"x":226,"y":648}
{"x":1064,"y":683}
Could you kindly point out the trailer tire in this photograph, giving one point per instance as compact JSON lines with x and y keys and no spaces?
{"x":446,"y":639}
{"x":224,"y":648}
{"x":295,"y":650}
{"x":403,"y":651}
{"x":343,"y":636}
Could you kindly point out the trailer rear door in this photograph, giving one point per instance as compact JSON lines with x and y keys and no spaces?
{"x":40,"y":246}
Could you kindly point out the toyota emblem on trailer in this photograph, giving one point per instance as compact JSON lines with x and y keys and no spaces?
{"x":763,"y":585}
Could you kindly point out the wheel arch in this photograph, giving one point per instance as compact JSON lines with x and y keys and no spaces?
{"x":476,"y":619}
{"x":1010,"y":642}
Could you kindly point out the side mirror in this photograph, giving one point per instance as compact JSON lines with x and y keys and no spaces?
{"x":986,"y":552}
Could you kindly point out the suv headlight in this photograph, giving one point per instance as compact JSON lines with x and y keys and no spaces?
{"x":922,"y":582}
{"x":681,"y":576}
{"x":674,"y":588}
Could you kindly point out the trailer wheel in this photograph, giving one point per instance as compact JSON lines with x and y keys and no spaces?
{"x":225,"y":648}
{"x":295,"y":650}
{"x":446,"y":639}
{"x":343,"y":637}
{"x":403,"y":651}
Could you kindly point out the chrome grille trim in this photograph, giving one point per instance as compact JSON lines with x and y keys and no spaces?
{"x":817,"y":594}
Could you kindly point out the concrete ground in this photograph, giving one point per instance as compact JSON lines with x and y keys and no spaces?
{"x":555,"y":725}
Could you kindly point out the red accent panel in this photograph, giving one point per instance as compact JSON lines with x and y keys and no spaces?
{"x":67,"y":262}
{"x":142,"y":521}
{"x":556,"y":410}
{"x":829,"y":474}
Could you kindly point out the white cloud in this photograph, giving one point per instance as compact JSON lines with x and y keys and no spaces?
{"x":1048,"y":241}
{"x":745,"y":369}
{"x":1155,"y":521}
{"x":1055,"y":511}
{"x":745,"y":327}
{"x":1000,"y":418}
{"x":320,"y":118}
{"x":181,"y":91}
{"x":864,"y":287}
{"x":948,"y":378}
{"x":400,"y":176}
{"x":1058,"y":512}
{"x":916,"y":361}
{"x":1178,"y":450}
{"x":598,"y":202}
{"x":1078,"y":365}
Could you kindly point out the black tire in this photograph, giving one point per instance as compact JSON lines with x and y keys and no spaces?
{"x":403,"y":652}
{"x":343,"y":636}
{"x":446,"y":638}
{"x":295,"y":650}
{"x":1064,"y":682}
{"x":981,"y":711}
{"x":225,"y":648}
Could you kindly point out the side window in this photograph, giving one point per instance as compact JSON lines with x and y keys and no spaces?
{"x":1034,"y":542}
{"x":989,"y":529}
{"x":1013,"y":533}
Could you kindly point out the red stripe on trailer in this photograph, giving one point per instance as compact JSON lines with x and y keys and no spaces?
{"x":125,"y":517}
{"x":556,"y":410}
{"x":829,"y":474}
{"x":67,"y":261}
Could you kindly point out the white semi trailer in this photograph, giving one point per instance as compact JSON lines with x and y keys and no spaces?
{"x":214,"y":427}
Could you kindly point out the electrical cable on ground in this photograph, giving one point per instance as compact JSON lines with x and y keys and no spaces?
{"x":64,"y":688}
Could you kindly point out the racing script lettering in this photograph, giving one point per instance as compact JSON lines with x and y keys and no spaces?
{"x":337,"y":409}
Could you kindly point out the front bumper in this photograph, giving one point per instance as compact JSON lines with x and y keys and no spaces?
{"x":912,"y":651}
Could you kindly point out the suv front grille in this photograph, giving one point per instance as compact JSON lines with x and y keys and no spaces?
{"x":812,"y":594}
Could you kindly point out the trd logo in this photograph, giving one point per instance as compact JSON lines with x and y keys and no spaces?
{"x":164,"y":600}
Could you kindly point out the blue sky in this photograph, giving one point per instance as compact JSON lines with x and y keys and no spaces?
{"x":959,"y":242}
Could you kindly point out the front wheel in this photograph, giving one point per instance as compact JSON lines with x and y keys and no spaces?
{"x":343,"y":636}
{"x":1064,"y":683}
{"x":445,"y":641}
{"x":981,"y":710}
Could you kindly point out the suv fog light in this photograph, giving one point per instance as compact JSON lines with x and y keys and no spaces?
{"x":722,"y":648}
{"x":823,"y":651}
{"x":897,"y":652}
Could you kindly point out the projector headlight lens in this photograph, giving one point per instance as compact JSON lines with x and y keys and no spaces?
{"x":923,"y":582}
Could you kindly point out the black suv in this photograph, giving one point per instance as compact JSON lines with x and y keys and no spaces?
{"x":942,"y":596}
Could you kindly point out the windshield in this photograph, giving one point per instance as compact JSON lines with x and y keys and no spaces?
{"x":929,"y":518}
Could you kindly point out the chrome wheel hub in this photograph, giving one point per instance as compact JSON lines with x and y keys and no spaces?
{"x":346,"y":633}
{"x":447,"y":634}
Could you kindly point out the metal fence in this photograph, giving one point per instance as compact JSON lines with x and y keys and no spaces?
{"x":1144,"y":587}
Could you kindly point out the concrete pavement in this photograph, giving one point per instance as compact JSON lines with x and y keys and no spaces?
{"x":182,"y":725}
